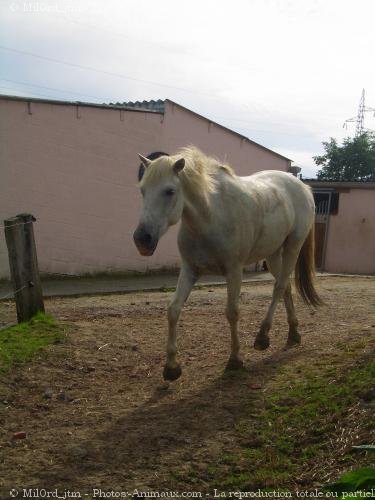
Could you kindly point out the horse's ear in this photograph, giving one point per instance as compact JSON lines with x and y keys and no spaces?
{"x":145,"y":161}
{"x":179,"y":165}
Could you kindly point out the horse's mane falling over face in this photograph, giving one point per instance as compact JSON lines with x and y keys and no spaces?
{"x":197,"y":178}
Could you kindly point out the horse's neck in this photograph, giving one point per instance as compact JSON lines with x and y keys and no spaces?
{"x":196,"y":213}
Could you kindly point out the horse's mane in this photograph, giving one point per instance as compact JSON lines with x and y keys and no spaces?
{"x":199,"y":173}
{"x":198,"y":177}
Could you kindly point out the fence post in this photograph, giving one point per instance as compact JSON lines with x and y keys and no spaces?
{"x":23,"y":262}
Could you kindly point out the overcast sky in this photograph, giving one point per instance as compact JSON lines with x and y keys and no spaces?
{"x":285,"y":73}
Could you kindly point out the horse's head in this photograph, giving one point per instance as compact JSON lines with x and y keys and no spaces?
{"x":162,"y":200}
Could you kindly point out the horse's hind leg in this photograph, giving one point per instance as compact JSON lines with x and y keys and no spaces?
{"x":186,"y":280}
{"x":274,"y":265}
{"x":281,"y":266}
{"x":234,"y":281}
{"x":294,"y":338}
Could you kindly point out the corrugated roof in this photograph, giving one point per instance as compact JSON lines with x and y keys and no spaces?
{"x":79,"y":103}
{"x":152,"y":105}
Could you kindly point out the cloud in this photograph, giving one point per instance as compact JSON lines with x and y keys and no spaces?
{"x":285,"y":73}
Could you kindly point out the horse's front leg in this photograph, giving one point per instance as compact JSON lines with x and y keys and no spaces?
{"x":234,"y":281}
{"x":186,"y":280}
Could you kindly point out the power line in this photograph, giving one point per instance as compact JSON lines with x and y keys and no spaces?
{"x":54,"y":89}
{"x":117,"y":75}
{"x":249,"y":124}
{"x":109,"y":73}
{"x":112,"y":33}
{"x":73,"y":92}
{"x":32,"y":92}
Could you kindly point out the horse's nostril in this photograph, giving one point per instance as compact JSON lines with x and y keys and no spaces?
{"x":147,"y":238}
{"x":144,"y":241}
{"x":144,"y":238}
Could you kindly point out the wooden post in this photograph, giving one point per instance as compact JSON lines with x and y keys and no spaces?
{"x":19,"y":235}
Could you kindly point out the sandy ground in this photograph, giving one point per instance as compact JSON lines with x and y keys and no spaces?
{"x":97,"y":413}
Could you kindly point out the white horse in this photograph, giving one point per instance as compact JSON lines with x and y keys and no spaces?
{"x":228,"y":222}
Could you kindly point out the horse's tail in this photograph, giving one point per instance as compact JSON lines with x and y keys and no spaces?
{"x":305,"y":271}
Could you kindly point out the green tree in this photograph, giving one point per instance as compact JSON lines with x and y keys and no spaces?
{"x":354,"y":160}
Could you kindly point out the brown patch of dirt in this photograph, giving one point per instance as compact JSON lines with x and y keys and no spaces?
{"x":97,"y":413}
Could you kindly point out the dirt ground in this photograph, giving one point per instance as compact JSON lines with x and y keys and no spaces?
{"x":97,"y":413}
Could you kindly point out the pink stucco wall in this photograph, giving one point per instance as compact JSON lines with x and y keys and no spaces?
{"x":182,"y":127}
{"x":351,"y":234}
{"x":75,"y":169}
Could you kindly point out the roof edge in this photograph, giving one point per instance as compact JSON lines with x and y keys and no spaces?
{"x":315,"y":183}
{"x":60,"y":102}
{"x":244,"y":137}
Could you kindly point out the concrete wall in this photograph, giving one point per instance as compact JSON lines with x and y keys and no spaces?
{"x":75,"y":169}
{"x":351,"y":234}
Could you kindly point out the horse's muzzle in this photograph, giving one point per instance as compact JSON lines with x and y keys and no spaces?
{"x":144,"y":241}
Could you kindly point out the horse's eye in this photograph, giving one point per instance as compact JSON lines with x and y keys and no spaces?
{"x":169,"y":192}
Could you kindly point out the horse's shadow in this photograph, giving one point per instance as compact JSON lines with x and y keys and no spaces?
{"x":162,"y":429}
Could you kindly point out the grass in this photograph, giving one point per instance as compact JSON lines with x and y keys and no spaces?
{"x":19,"y":343}
{"x":303,"y":422}
{"x":351,"y":483}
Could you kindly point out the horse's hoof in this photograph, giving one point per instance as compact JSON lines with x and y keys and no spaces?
{"x":172,"y":374}
{"x":294,"y":341}
{"x":234,"y":364}
{"x":261,"y":343}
